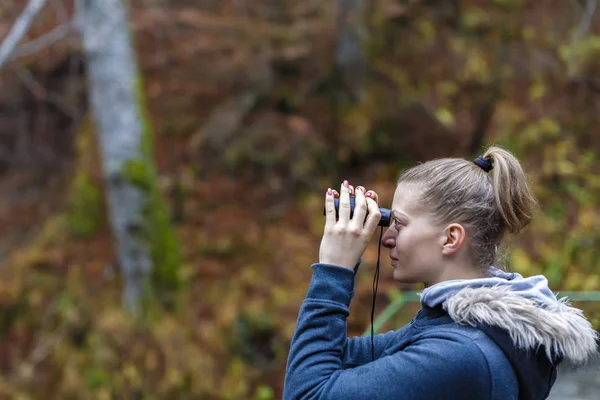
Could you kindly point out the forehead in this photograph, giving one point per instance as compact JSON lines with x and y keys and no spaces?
{"x":407,"y":199}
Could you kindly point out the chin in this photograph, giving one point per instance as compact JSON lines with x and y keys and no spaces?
{"x":403,"y":278}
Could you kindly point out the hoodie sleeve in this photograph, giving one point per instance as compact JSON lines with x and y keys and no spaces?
{"x":320,"y":348}
{"x":357,"y":350}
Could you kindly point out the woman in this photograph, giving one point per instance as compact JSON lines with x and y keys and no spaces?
{"x":482,"y":333}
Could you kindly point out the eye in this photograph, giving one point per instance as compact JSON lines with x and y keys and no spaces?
{"x":397,"y":224}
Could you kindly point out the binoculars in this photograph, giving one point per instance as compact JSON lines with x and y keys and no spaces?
{"x":385,"y":212}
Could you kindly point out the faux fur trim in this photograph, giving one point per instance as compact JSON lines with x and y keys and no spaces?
{"x":557,"y":327}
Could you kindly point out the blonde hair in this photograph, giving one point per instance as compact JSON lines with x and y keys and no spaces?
{"x":488,"y":205}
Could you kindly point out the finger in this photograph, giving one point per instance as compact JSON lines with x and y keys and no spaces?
{"x":374,"y":216}
{"x":329,"y":209}
{"x":360,"y":207}
{"x":372,"y":195}
{"x":336,"y":194}
{"x":344,"y":203}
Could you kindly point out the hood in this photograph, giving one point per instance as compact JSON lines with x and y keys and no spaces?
{"x":525,"y":308}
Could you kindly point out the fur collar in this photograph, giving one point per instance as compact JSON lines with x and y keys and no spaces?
{"x":556,"y":326}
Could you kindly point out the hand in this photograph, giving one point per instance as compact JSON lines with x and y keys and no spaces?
{"x":345,"y":240}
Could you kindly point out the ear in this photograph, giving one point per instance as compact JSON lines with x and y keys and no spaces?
{"x":454,"y":237}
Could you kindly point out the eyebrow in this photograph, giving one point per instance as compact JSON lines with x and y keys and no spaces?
{"x":399,"y":215}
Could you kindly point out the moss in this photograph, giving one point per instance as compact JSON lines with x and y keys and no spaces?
{"x":84,"y":215}
{"x":138,"y":173}
{"x":85,"y":209}
{"x":157,"y":229}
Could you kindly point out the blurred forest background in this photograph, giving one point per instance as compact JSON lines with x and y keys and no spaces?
{"x":253,"y":108}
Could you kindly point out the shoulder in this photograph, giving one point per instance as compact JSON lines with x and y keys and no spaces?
{"x":448,"y":340}
{"x":441,"y":363}
{"x":475,"y":343}
{"x":450,"y":359}
{"x":474,"y":357}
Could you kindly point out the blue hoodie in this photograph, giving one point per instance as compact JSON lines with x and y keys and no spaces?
{"x":500,"y":338}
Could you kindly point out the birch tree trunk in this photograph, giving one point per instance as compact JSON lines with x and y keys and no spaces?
{"x":19,"y":29}
{"x":146,"y":247}
{"x":350,"y":57}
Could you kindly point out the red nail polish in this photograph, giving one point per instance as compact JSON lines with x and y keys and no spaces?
{"x":329,"y":191}
{"x":346,"y":183}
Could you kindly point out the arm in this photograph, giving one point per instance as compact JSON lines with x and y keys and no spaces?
{"x":357,"y":350}
{"x":428,"y":368}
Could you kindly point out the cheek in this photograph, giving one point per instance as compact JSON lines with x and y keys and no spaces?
{"x":403,"y":243}
{"x":410,"y":244}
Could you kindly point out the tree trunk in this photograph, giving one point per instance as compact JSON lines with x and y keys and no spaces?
{"x":146,"y":246}
{"x":347,"y":77}
{"x":350,"y":57}
{"x":20,"y":28}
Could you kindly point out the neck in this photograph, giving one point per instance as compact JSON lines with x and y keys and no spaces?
{"x":458,"y":270}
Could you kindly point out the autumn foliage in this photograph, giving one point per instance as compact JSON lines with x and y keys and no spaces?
{"x":249,"y":132}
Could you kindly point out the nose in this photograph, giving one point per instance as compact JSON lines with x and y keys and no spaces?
{"x":389,"y":238}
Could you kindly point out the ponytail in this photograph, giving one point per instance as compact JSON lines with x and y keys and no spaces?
{"x":514,"y":197}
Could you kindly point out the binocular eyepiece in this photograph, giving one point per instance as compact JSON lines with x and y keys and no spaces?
{"x":385,"y":212}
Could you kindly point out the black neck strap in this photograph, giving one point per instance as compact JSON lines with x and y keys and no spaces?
{"x":375,"y":286}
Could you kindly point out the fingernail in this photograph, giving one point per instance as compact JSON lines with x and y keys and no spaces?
{"x":351,"y":189}
{"x":369,"y":194}
{"x":346,"y":183}
{"x":329,"y":191}
{"x":362,"y":189}
{"x":336,"y":194}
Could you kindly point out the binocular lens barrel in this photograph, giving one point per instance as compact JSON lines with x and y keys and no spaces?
{"x":385,"y":212}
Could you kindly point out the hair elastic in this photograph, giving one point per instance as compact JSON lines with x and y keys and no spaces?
{"x":484,"y":164}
